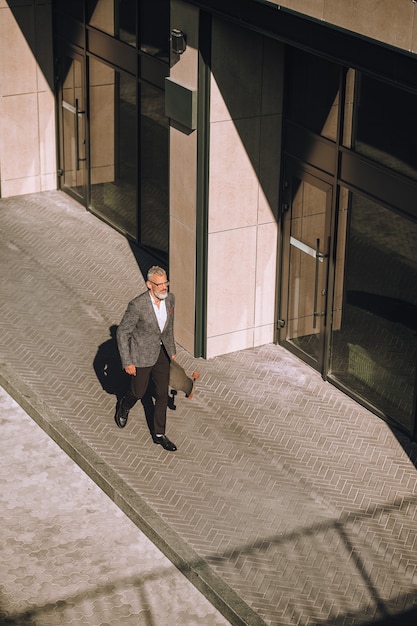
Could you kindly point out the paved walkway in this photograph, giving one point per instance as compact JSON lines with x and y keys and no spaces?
{"x":286,"y":503}
{"x":69,"y":555}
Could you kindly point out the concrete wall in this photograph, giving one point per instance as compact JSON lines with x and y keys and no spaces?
{"x":244,"y":170}
{"x":245,"y":146}
{"x":394,"y":23}
{"x":27,"y":105}
{"x":183,"y":185}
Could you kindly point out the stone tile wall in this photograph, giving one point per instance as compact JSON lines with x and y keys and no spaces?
{"x":27,"y":106}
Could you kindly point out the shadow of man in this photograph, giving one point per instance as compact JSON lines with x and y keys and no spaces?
{"x":114,"y":380}
{"x":108,"y":367}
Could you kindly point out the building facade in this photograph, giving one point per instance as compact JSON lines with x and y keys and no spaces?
{"x":266,"y":152}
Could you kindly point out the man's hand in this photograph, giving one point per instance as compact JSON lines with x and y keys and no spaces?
{"x":131,"y":370}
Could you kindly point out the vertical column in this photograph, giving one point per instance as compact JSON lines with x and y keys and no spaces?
{"x":27,"y":104}
{"x":183,"y":182}
{"x":245,"y":142}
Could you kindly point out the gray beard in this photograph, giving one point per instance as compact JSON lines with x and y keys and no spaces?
{"x":161,"y":296}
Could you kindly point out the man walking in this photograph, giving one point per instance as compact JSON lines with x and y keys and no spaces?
{"x":145,"y":338}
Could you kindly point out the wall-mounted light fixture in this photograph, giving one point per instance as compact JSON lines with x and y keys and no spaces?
{"x":178,"y":43}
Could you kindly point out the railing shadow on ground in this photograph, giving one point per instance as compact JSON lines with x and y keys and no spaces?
{"x":138,"y":589}
{"x":360,"y":562}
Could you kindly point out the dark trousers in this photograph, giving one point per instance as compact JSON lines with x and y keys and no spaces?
{"x":159,"y":373}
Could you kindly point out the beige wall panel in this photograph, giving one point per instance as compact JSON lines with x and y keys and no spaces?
{"x":236,"y":85}
{"x":391,"y":21}
{"x":27,"y":117}
{"x":265,"y":290}
{"x":272,"y":77}
{"x":269,"y":169}
{"x":17,"y":62}
{"x":47,"y":149}
{"x":185,"y":18}
{"x":233,"y":187}
{"x":48,"y":182}
{"x":44,"y":47}
{"x":20,"y":138}
{"x":21,"y":186}
{"x":231,"y":281}
{"x":182,"y":266}
{"x":184,"y":337}
{"x":183,"y":173}
{"x":313,"y":8}
{"x":263,"y":335}
{"x":183,"y":181}
{"x":231,"y":342}
{"x":245,"y":148}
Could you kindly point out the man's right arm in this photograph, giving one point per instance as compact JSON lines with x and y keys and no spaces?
{"x":124,"y":332}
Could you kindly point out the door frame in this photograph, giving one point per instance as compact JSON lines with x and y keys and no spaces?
{"x":79,"y":110}
{"x":293,"y":170}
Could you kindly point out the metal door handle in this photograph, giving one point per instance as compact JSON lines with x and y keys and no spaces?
{"x":77,"y":142}
{"x":319,"y":259}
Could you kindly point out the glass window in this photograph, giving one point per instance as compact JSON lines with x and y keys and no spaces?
{"x":115,"y":17}
{"x":74,"y":9}
{"x":386,"y":125}
{"x":374,"y":338}
{"x":313,"y":95}
{"x":119,"y":18}
{"x":154,"y":28}
{"x":154,"y":195}
{"x":113,"y":140}
{"x":348,"y":107}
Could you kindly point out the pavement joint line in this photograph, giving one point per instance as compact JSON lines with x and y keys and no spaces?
{"x":195,"y":568}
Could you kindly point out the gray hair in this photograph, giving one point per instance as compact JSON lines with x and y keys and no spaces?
{"x":155,"y":270}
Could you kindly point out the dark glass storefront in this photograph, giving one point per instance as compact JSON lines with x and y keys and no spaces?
{"x":348,"y":272}
{"x":374,"y":347}
{"x":112,"y":58}
{"x":349,"y":253}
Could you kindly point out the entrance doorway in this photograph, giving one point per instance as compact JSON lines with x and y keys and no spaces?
{"x":304,"y":282}
{"x":113,"y":145}
{"x":72,"y":122}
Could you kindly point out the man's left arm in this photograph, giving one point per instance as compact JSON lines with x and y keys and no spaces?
{"x":170,"y":326}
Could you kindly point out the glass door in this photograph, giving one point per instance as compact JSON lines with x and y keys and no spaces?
{"x":72,"y":123}
{"x":305,"y":264}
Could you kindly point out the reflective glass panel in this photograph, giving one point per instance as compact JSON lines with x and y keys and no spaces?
{"x":75,"y":8}
{"x":386,"y":125}
{"x":374,"y":338}
{"x":115,"y":17}
{"x":73,"y":127}
{"x":154,"y":195}
{"x":154,"y":28}
{"x":308,"y":264}
{"x":313,"y":95}
{"x":113,"y":140}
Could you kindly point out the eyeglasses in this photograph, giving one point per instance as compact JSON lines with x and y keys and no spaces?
{"x":164,"y":284}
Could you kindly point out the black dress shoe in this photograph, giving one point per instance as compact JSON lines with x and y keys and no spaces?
{"x":121,"y":414}
{"x":165,"y":443}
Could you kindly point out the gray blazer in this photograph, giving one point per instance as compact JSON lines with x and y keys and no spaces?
{"x":138,"y":336}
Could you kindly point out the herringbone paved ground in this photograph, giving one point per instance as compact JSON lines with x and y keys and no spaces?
{"x":286,"y":503}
